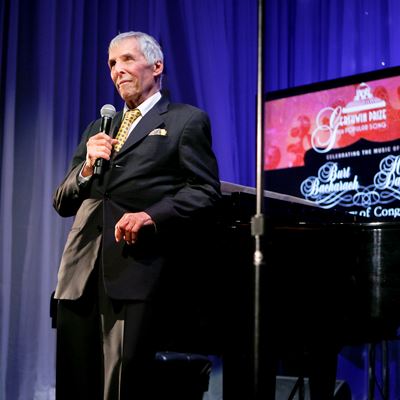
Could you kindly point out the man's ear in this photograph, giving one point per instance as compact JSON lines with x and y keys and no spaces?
{"x":158,"y":68}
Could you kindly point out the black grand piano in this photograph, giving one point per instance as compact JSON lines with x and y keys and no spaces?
{"x":329,"y":279}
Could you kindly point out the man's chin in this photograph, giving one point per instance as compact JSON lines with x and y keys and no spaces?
{"x":131,"y":101}
{"x":126,"y":96}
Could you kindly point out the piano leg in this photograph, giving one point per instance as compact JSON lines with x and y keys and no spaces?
{"x":322,"y":373}
{"x":372,"y":377}
{"x":313,"y":364}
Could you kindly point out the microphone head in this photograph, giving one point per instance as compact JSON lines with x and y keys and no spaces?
{"x":108,"y":110}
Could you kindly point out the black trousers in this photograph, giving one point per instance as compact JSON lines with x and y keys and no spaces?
{"x":81,"y":328}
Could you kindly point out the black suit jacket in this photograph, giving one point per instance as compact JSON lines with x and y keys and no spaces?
{"x":166,"y":168}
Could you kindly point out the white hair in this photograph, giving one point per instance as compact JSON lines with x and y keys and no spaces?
{"x":149,"y":46}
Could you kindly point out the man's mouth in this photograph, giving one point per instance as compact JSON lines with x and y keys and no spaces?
{"x":122,"y":83}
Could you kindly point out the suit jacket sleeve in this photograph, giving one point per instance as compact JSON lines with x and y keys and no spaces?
{"x":199,"y":166}
{"x":69,"y":196}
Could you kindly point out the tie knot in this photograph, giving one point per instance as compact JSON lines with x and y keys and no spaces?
{"x":131,"y":115}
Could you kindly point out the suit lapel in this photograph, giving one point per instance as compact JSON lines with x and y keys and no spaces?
{"x":115,"y":124}
{"x":150,"y":121}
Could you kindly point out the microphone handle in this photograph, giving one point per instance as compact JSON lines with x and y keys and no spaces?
{"x":100,"y":163}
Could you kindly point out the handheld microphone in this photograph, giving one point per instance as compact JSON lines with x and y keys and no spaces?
{"x":107,"y":113}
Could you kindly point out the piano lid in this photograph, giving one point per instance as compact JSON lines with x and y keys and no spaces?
{"x":229,"y":188}
{"x":279,"y":206}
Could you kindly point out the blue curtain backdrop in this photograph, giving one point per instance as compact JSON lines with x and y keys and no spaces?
{"x":54,"y":80}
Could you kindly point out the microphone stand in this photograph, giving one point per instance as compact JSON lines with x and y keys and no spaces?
{"x":263,"y":366}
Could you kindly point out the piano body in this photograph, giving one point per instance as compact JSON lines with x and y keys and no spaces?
{"x":328,"y":280}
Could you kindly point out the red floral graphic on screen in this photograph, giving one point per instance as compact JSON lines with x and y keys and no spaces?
{"x":272,"y":156}
{"x":301,"y":140}
{"x":392,"y":116}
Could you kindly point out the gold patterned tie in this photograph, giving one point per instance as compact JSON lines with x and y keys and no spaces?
{"x":122,"y":134}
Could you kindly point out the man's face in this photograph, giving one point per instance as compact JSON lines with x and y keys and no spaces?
{"x":133,"y":77}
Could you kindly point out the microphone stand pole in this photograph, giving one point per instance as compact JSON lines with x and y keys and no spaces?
{"x":263,"y":377}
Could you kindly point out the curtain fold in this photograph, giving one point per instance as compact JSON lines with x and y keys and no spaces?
{"x":54,"y":79}
{"x":9,"y":54}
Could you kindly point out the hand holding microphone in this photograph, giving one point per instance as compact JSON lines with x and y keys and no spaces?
{"x":107,"y":113}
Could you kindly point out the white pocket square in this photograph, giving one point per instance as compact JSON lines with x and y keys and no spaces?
{"x":158,"y":132}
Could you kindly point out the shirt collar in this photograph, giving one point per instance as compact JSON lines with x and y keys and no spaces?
{"x":147,"y":105}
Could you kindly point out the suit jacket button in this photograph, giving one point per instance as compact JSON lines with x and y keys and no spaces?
{"x":107,"y":195}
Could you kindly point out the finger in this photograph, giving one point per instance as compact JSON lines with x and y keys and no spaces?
{"x":103,"y":154}
{"x":94,"y":155}
{"x":100,"y":141}
{"x":129,"y":237}
{"x":100,"y":145}
{"x":118,"y":233}
{"x":102,"y":135}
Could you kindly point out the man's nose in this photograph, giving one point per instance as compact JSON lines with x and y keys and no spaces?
{"x":119,"y":68}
